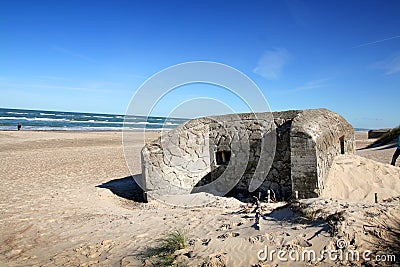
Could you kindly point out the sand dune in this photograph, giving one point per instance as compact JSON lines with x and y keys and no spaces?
{"x":358,"y":178}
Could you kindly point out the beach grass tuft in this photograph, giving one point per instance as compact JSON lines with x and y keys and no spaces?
{"x":163,"y":254}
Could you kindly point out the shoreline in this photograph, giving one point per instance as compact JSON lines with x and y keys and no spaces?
{"x":83,"y":131}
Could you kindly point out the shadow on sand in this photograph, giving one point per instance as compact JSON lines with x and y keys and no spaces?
{"x":125,"y":188}
{"x":288,"y":215}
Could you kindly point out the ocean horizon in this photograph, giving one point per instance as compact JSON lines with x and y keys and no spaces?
{"x":49,"y":120}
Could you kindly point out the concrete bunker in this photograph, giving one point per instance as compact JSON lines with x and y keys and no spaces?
{"x":214,"y":153}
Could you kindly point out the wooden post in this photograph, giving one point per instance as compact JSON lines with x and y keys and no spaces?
{"x":258,"y":214}
{"x":257,"y":220}
{"x":296,"y":195}
{"x":268,"y":196}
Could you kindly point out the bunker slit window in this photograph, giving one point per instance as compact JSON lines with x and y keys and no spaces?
{"x":222,"y":157}
{"x":341,"y":139}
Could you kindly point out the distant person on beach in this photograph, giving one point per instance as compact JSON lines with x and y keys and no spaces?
{"x":397,"y":152}
{"x":19,"y":126}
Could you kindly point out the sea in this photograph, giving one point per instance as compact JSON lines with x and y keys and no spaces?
{"x":77,"y":121}
{"x":43,"y":120}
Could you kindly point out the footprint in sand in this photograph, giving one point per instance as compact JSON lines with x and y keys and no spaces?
{"x":226,"y":235}
{"x":223,"y":236}
{"x":257,"y":238}
{"x":261,"y":238}
{"x":205,"y":241}
{"x":298,"y":241}
{"x":224,"y":227}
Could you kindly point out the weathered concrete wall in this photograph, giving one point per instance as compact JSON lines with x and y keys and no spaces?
{"x":278,"y":178}
{"x":184,"y":160}
{"x":176,"y":161}
{"x":240,"y":135}
{"x":301,"y":153}
{"x":317,"y":137}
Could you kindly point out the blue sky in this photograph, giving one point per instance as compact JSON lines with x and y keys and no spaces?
{"x":92,"y":56}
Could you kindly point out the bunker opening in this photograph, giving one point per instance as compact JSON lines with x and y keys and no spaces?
{"x":341,"y":139}
{"x":222,"y":157}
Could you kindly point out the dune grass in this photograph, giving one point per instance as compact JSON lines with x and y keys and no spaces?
{"x":163,"y":254}
{"x":387,"y":137}
{"x":385,"y":234}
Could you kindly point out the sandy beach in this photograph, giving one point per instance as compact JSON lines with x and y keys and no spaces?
{"x":199,"y":133}
{"x":67,"y":199}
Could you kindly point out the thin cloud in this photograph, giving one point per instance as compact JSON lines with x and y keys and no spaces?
{"x":72,"y":53}
{"x":271,"y":63}
{"x":378,"y":41}
{"x":310,"y":85}
{"x":391,"y":65}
